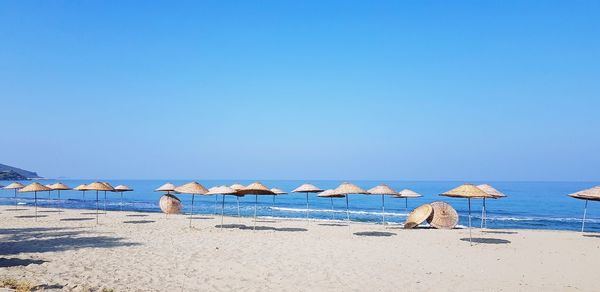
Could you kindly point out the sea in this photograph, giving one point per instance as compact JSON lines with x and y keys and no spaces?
{"x":528,"y":205}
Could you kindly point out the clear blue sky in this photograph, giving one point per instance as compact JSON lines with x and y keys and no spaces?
{"x":410,"y":90}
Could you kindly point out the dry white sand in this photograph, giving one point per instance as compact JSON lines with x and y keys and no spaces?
{"x":145,"y":252}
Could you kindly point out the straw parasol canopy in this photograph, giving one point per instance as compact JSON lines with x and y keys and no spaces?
{"x":592,"y":194}
{"x":346,"y":189}
{"x":192,"y":188}
{"x":418,"y":216}
{"x":407,"y":193}
{"x":81,"y":187}
{"x":14,"y":186}
{"x":237,"y":187}
{"x":222,"y":190}
{"x":34,"y":187}
{"x":170,"y":204}
{"x":255,"y":189}
{"x":168,"y":187}
{"x":307,"y":188}
{"x":278,"y":191}
{"x":330,"y":194}
{"x":443,"y":216}
{"x":99,"y":186}
{"x":382,"y":190}
{"x":491,"y":191}
{"x":468,"y":191}
{"x":121,"y":189}
{"x":60,"y":187}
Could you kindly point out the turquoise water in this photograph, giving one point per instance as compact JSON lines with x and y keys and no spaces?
{"x":531,"y":205}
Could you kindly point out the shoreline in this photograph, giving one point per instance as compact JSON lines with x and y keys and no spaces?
{"x":143,"y":251}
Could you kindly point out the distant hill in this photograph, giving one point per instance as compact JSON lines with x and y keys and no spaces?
{"x":25,"y":173}
{"x":11,"y":175}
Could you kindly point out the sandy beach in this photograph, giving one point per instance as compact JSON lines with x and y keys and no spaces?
{"x":132,"y":251}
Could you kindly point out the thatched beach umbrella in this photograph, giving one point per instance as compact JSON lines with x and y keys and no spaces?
{"x":276,"y":192}
{"x":347,"y":189}
{"x":330,"y":194}
{"x":50,"y":190}
{"x":496,"y":195}
{"x":443,"y":216}
{"x":307,"y":188}
{"x":406,"y":194}
{"x":467,"y":191}
{"x":221,"y":190}
{"x":383,"y":190}
{"x":15,"y":186}
{"x":98,"y":186}
{"x":34,"y":187}
{"x":418,"y":216}
{"x":255,"y":189}
{"x":121,"y":189}
{"x":60,"y":187}
{"x":192,"y":188}
{"x":82,"y":188}
{"x":592,"y":194}
{"x":237,"y":187}
{"x":168,"y":188}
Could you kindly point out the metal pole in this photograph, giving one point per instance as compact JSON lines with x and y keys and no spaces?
{"x":383,"y":210}
{"x":59,"y":203}
{"x":332,"y":212}
{"x":192,"y":211}
{"x":104,"y":203}
{"x":83,"y":196}
{"x":584,"y":213}
{"x":347,"y":212}
{"x":97,"y":207}
{"x":255,"y":203}
{"x":121,"y":201}
{"x":238,"y":205}
{"x":216,"y":198}
{"x":306,"y":207}
{"x":470,"y":236}
{"x":406,"y":204}
{"x":222,"y":210}
{"x":483,"y":215}
{"x":35,"y":194}
{"x":16,"y":202}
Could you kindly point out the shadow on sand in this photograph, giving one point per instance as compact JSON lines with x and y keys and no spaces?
{"x":499,"y":232}
{"x":92,"y":213}
{"x":333,"y":224}
{"x":16,"y":262}
{"x":139,"y":221}
{"x":375,"y":233}
{"x":76,"y":219}
{"x":592,"y":235}
{"x":39,"y":240}
{"x":137,"y":215}
{"x":487,"y":240}
{"x":31,"y":216}
{"x":49,"y":211}
{"x":199,"y":218}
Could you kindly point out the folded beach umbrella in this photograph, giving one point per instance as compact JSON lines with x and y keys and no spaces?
{"x":121,"y":189}
{"x":418,"y":216}
{"x":307,"y":188}
{"x":496,"y":195}
{"x":255,"y":189}
{"x":192,"y":188}
{"x":330,"y":194}
{"x":169,"y":204}
{"x":346,"y":189}
{"x":34,"y":187}
{"x":592,"y":194}
{"x":383,"y":190}
{"x":277,"y":192}
{"x":82,"y":188}
{"x":467,"y":191}
{"x":406,"y":194}
{"x":98,"y":186}
{"x":15,"y":186}
{"x":59,"y":187}
{"x":443,"y":216}
{"x":223,"y":191}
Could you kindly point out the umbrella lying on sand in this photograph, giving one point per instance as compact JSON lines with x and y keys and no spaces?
{"x":496,"y":195}
{"x":383,"y":190}
{"x":59,"y":187}
{"x":15,"y":186}
{"x":330,"y":194}
{"x":307,"y":188}
{"x":418,"y":216}
{"x":467,"y":191}
{"x":255,"y":189}
{"x":443,"y":216}
{"x":98,"y":186}
{"x":34,"y":187}
{"x":592,"y":194}
{"x":192,"y":188}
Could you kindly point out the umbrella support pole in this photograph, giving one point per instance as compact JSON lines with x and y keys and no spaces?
{"x":348,"y":215}
{"x":97,"y":207}
{"x":216,"y":198}
{"x":273,"y":208}
{"x":255,"y":203}
{"x":104,"y":203}
{"x":192,"y":211}
{"x":483,"y":215}
{"x":383,"y":210}
{"x":307,"y":208}
{"x":222,"y":210}
{"x":584,"y":213}
{"x":121,"y":201}
{"x":470,"y":236}
{"x":59,"y":203}
{"x":35,"y":194}
{"x":406,"y":204}
{"x":16,"y":202}
{"x":83,"y":196}
{"x":238,"y":207}
{"x":332,"y":212}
